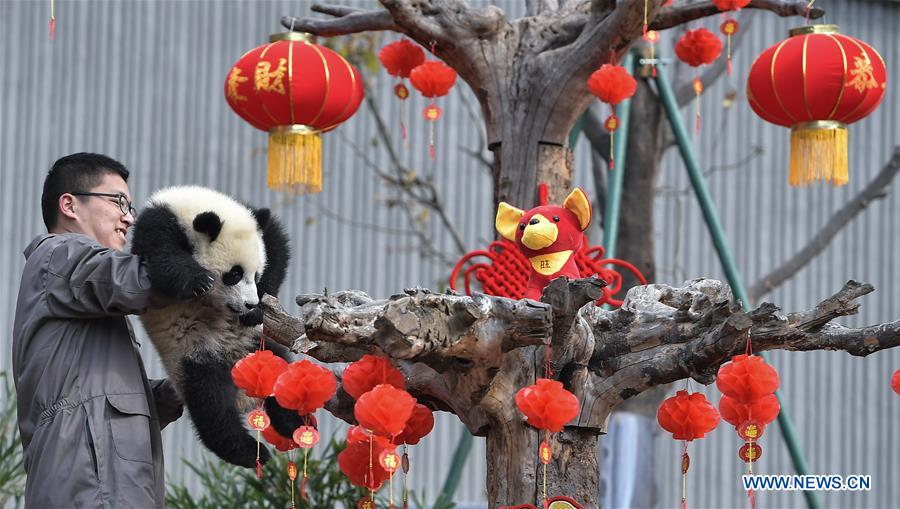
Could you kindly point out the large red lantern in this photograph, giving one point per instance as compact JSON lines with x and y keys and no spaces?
{"x":294,"y":89}
{"x":817,"y":82}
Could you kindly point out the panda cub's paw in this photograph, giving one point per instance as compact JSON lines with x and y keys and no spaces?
{"x":195,"y":284}
{"x":252,"y":318}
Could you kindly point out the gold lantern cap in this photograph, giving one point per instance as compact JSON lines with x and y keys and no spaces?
{"x":291,"y":36}
{"x":814,"y":29}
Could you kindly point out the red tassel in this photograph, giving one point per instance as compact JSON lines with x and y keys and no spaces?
{"x":729,"y":66}
{"x":752,"y":498}
{"x":684,"y":504}
{"x":303,"y":495}
{"x":258,"y":469}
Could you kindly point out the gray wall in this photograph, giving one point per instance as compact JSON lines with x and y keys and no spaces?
{"x":142,"y":81}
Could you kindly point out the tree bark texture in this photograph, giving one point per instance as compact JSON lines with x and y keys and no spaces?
{"x":470,"y":355}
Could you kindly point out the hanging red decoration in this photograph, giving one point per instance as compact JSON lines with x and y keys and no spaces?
{"x":612,"y":84}
{"x":306,"y":437}
{"x":817,"y":82}
{"x":420,"y":423}
{"x":384,"y":410}
{"x":730,"y":26}
{"x":547,"y":404}
{"x":730,"y":5}
{"x":695,"y":48}
{"x":687,"y":416}
{"x":747,"y":378}
{"x":895,"y":381}
{"x":281,"y":443}
{"x":399,"y":59}
{"x":256,"y":373}
{"x":305,"y":387}
{"x":762,"y":411}
{"x":361,"y":376}
{"x":433,"y":79}
{"x":295,"y":90}
{"x":354,"y":462}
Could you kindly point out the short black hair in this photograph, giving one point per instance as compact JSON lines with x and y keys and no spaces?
{"x":76,"y":172}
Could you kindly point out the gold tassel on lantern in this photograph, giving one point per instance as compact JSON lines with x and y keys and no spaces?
{"x":819,"y":152}
{"x":295,"y":159}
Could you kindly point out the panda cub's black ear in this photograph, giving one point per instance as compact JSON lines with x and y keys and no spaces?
{"x":208,"y":223}
{"x":262,"y":217}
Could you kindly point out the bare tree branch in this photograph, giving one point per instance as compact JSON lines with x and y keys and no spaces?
{"x":876,"y":190}
{"x":347,"y":21}
{"x":675,"y":15}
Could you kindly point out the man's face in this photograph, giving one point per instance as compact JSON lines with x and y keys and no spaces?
{"x":100,"y":216}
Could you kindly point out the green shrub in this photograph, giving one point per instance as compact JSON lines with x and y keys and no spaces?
{"x":12,"y":472}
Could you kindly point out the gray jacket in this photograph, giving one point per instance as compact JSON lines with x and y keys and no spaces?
{"x":89,"y":424}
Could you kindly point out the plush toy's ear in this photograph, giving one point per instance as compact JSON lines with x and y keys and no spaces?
{"x":578,"y":203}
{"x":262,"y":217}
{"x":208,"y":223}
{"x":508,"y":220}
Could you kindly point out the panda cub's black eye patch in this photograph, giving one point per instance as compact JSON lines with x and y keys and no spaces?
{"x":233,"y":276}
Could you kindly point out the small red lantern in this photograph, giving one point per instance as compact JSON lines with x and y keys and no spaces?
{"x":750,"y":452}
{"x":361,"y":376}
{"x":747,"y":378}
{"x":895,"y":381}
{"x":389,"y":460}
{"x":420,"y":423}
{"x":258,"y":420}
{"x":763,"y":410}
{"x":547,"y":404}
{"x":433,"y":79}
{"x":687,"y":416}
{"x":306,"y":436}
{"x":256,"y":373}
{"x":817,"y":82}
{"x":695,"y":48}
{"x":612,"y":84}
{"x":399,"y":59}
{"x":354,"y":462}
{"x":384,"y":410}
{"x":281,"y":443}
{"x":294,"y":89}
{"x":305,"y":387}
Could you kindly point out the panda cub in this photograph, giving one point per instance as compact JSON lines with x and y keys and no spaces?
{"x":191,"y":236}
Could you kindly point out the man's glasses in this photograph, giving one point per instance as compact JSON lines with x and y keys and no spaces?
{"x":123,"y":203}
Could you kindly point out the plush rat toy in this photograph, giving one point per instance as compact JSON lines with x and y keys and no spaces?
{"x":548,"y":236}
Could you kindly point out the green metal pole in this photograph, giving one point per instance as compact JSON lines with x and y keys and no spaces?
{"x":617,"y":177}
{"x":731,"y":272}
{"x":463,"y":447}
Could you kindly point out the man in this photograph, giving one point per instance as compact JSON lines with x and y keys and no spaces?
{"x":89,"y":419}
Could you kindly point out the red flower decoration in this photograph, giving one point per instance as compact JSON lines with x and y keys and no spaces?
{"x":361,"y":376}
{"x":747,"y":378}
{"x":354,"y":463}
{"x":895,"y":381}
{"x":384,"y":410}
{"x":547,"y":405}
{"x":687,"y":416}
{"x":401,"y":57}
{"x":420,"y":423}
{"x":305,"y":387}
{"x":730,"y":5}
{"x":762,"y":411}
{"x":433,"y":78}
{"x":612,"y":84}
{"x":698,"y":47}
{"x":281,"y":443}
{"x":256,"y":373}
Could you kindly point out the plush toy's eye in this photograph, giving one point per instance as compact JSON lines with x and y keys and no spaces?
{"x":233,"y":276}
{"x":522,"y":227}
{"x":556,"y":219}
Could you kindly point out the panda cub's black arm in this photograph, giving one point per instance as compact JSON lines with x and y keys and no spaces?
{"x":278,"y":254}
{"x":161,"y":241}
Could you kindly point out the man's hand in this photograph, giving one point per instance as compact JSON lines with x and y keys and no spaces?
{"x":169,"y":406}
